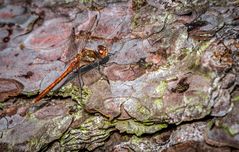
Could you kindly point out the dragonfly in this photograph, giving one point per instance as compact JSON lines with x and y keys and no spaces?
{"x":86,"y":55}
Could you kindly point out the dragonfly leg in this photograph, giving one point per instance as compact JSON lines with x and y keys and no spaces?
{"x":81,"y":83}
{"x":38,"y":106}
{"x":105,"y":77}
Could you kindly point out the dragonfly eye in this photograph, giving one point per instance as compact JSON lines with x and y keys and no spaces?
{"x":102,"y":50}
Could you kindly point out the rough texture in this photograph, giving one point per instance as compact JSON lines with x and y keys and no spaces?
{"x":34,"y":134}
{"x":170,"y":82}
{"x":225,"y":131}
{"x":8,"y":88}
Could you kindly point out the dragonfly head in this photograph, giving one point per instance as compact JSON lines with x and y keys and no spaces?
{"x":103,"y":51}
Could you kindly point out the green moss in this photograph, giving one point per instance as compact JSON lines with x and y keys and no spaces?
{"x":196,"y":97}
{"x":232,"y":131}
{"x":199,"y":51}
{"x":203,"y":46}
{"x":235,"y":99}
{"x":68,"y":90}
{"x":137,"y":128}
{"x":197,"y":102}
{"x":79,"y":113}
{"x":33,"y":143}
{"x":210,"y":124}
{"x":194,"y":56}
{"x":158,"y":103}
{"x":73,"y":91}
{"x":161,"y":88}
{"x":142,"y":110}
{"x":69,"y":1}
{"x":1,"y":105}
{"x":199,"y":107}
{"x":134,"y":21}
{"x":30,"y":94}
{"x":93,"y":129}
{"x":188,"y":99}
{"x":229,"y":130}
{"x":184,"y":52}
{"x":86,"y":1}
{"x":136,"y":140}
{"x":171,"y":60}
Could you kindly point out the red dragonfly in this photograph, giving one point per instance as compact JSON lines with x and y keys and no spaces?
{"x":87,"y":55}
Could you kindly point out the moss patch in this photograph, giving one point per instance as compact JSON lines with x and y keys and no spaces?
{"x":74,"y":92}
{"x":137,"y":128}
{"x":161,"y":88}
